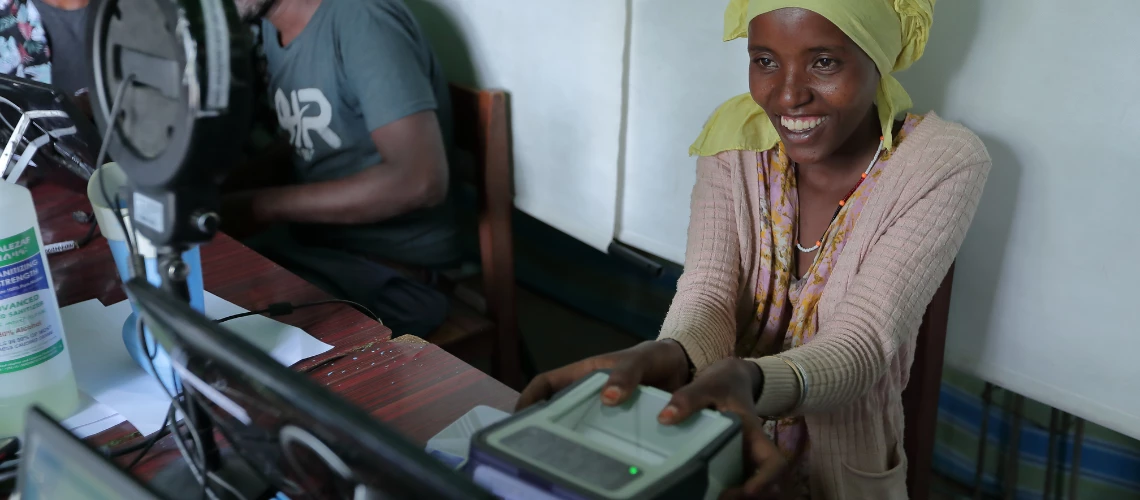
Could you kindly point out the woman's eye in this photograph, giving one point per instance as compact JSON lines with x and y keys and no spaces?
{"x":825,"y":63}
{"x":764,"y":62}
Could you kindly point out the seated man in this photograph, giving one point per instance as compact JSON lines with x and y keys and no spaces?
{"x":365,"y":107}
{"x":46,"y":41}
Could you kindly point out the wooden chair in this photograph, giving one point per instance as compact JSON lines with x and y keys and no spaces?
{"x":920,"y":398}
{"x":484,"y":324}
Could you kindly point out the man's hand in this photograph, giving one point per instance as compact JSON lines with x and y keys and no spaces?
{"x":728,"y":386}
{"x":272,"y":166}
{"x":238,"y":219}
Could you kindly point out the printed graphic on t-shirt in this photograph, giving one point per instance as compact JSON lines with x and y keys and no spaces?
{"x":302,"y":112}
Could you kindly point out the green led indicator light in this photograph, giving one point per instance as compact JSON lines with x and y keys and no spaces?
{"x":633,"y":471}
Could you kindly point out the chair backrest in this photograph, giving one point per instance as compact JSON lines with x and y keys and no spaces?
{"x":482,"y":128}
{"x":920,"y":398}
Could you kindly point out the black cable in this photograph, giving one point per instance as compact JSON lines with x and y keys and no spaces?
{"x":128,"y":449}
{"x":363,"y":310}
{"x":197,"y":461}
{"x":148,"y":445}
{"x":275,"y":309}
{"x":204,"y":475}
{"x":89,"y":236}
{"x":285,"y":308}
{"x":137,"y":261}
{"x":114,"y":116}
{"x":196,"y":466}
{"x":228,"y":487}
{"x":179,"y":441}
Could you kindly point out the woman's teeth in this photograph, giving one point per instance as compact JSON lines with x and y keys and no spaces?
{"x":801,"y":124}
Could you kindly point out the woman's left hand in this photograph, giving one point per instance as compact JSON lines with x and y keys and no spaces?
{"x":728,"y":386}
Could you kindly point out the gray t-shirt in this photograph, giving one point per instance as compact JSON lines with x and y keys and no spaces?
{"x":356,"y":66}
{"x":67,"y":35}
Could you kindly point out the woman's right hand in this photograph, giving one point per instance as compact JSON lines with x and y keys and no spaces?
{"x":662,"y":364}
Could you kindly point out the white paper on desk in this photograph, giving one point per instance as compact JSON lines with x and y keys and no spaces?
{"x":287,"y":344}
{"x":105,"y":370}
{"x":92,"y":417}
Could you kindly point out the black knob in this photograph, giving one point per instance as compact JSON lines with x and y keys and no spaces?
{"x":207,"y":222}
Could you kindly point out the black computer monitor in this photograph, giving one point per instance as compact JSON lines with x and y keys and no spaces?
{"x":68,"y":160}
{"x":55,"y":464}
{"x":297,"y":435}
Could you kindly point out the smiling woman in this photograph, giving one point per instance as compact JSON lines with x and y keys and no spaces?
{"x":823,"y":219}
{"x":820,"y":85}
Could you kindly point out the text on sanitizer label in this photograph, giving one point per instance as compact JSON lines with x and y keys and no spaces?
{"x":28,"y":335}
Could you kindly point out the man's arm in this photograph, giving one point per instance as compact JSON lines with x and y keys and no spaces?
{"x":381,"y":53}
{"x":412,"y":175}
{"x":269,"y":167}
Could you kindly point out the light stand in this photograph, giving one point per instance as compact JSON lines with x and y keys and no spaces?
{"x":175,"y":271}
{"x":184,"y":116}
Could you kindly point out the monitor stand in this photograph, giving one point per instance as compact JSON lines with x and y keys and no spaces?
{"x":176,"y":482}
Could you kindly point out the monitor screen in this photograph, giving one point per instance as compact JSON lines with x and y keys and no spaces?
{"x":56,"y":465}
{"x":298,"y":435}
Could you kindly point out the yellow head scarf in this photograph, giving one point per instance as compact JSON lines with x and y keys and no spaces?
{"x":892,"y":32}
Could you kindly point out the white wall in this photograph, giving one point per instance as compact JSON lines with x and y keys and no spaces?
{"x":679,"y":72}
{"x":562,"y":63}
{"x":1045,"y":294}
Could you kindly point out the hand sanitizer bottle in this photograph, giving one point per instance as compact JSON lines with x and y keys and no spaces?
{"x":35,"y":366}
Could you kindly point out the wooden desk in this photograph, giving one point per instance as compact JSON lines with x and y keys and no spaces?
{"x":411,"y":385}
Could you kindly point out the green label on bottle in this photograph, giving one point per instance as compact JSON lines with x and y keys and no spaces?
{"x":30,"y":330}
{"x":19,"y":247}
{"x":31,"y":360}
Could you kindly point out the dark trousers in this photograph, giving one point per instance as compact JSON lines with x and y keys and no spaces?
{"x":402,"y":296}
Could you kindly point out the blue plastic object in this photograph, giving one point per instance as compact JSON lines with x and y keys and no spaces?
{"x":131,"y":340}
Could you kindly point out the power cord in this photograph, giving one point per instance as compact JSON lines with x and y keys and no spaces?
{"x":135,"y":265}
{"x":195,"y":462}
{"x":63,"y":246}
{"x":145,"y":446}
{"x":286,"y":308}
{"x":273,"y":310}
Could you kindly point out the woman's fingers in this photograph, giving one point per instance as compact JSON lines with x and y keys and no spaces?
{"x":767,"y":464}
{"x":687,"y":401}
{"x":725,"y":385}
{"x":764,"y":455}
{"x":537,"y":390}
{"x":547,"y":384}
{"x":625,"y":376}
{"x":757,"y":448}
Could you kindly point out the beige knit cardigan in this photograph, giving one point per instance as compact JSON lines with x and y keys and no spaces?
{"x":858,"y":363}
